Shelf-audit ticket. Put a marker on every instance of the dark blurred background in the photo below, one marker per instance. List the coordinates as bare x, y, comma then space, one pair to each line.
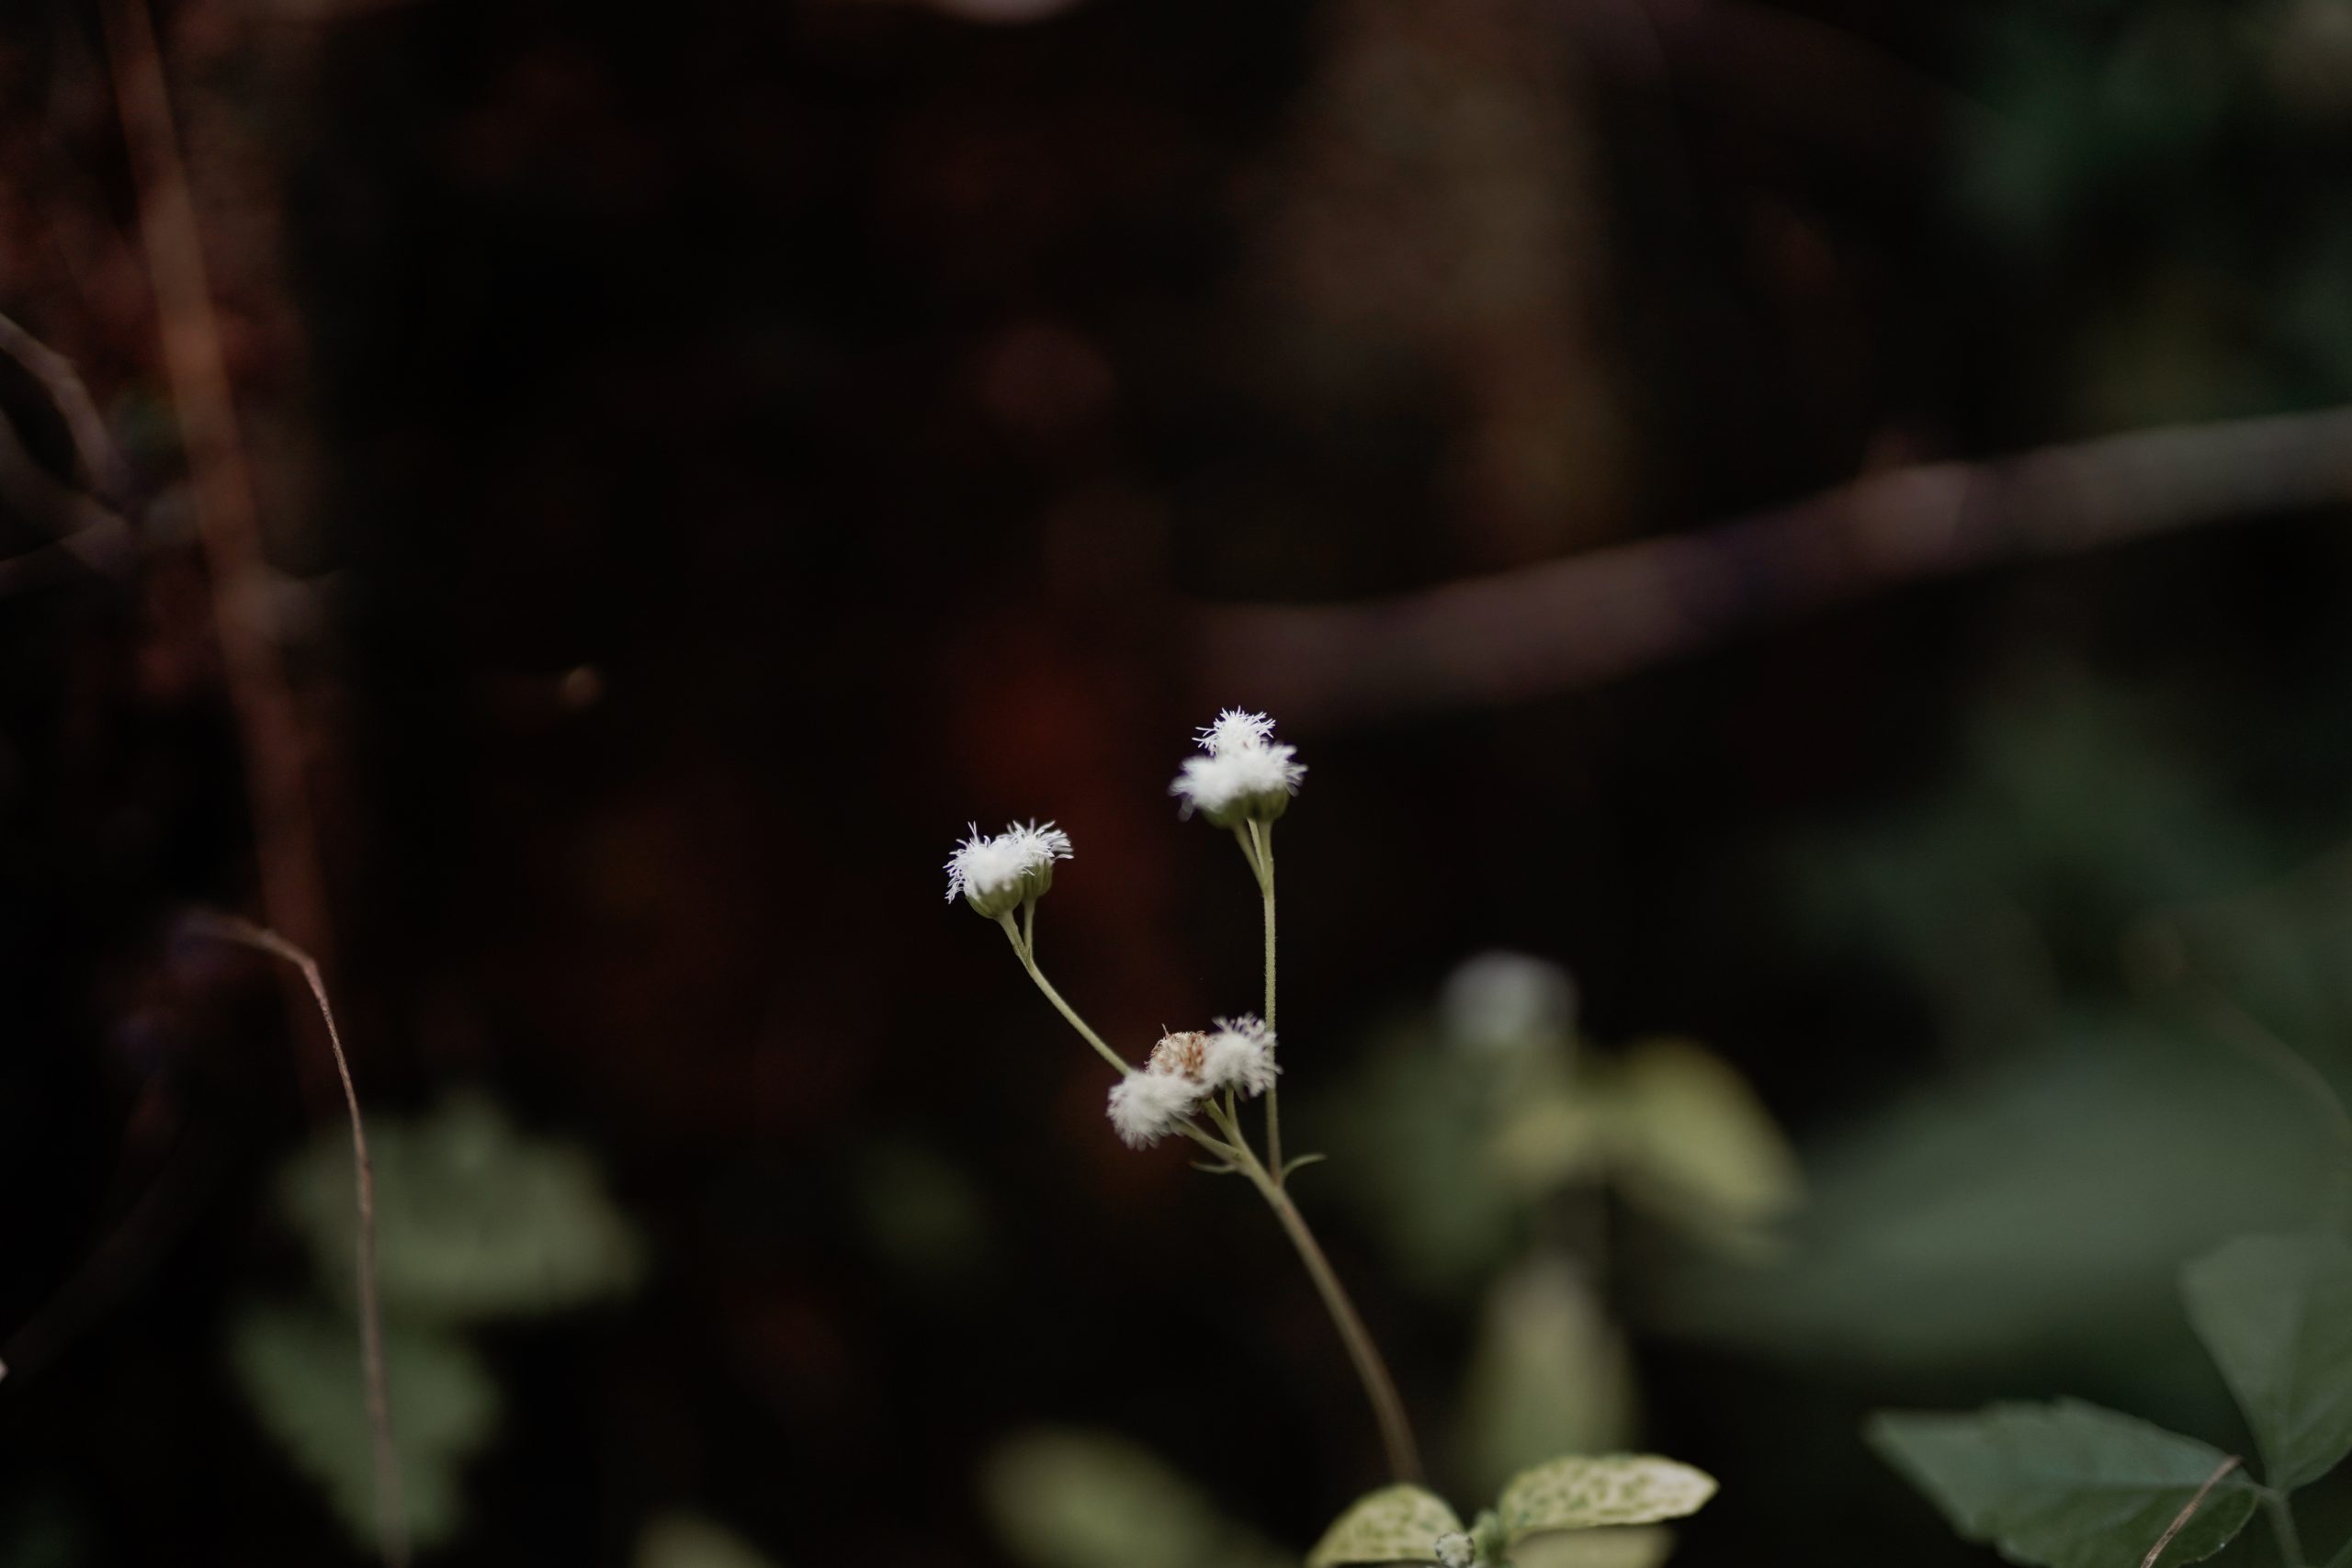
701, 456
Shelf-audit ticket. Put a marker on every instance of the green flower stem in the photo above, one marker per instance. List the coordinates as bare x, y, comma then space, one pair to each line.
1387, 1408
1395, 1432
1012, 934
1257, 840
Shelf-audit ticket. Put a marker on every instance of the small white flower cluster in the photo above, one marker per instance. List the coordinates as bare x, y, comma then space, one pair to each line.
1185, 1069
1244, 774
998, 873
1455, 1549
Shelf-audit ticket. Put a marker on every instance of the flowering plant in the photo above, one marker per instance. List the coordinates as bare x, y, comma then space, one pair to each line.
1197, 1084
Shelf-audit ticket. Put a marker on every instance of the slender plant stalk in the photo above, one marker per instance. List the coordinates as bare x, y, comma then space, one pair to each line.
392, 1510
1387, 1407
2282, 1525
2189, 1511
1264, 862
1029, 962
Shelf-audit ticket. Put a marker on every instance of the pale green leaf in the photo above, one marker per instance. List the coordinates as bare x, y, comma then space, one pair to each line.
1077, 1499
2066, 1485
1551, 1375
683, 1540
1694, 1144
299, 1368
1396, 1524
1635, 1546
2276, 1312
1588, 1491
474, 1219
1551, 1140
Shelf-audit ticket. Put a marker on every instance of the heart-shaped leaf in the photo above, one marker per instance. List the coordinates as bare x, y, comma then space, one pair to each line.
1396, 1524
2067, 1486
2276, 1312
1585, 1491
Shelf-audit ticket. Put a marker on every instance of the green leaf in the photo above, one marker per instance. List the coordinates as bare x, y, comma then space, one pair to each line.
473, 1219
1551, 1375
1695, 1144
1638, 1546
1078, 1499
299, 1368
683, 1540
1583, 1492
2066, 1485
2276, 1312
1396, 1523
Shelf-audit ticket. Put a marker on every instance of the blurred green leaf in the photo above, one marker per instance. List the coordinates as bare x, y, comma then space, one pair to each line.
2066, 1485
1695, 1145
300, 1369
2076, 1174
684, 1540
1550, 1375
2005, 896
919, 1211
1396, 1524
1408, 1137
1580, 1492
2276, 1312
1073, 1500
1629, 1546
474, 1219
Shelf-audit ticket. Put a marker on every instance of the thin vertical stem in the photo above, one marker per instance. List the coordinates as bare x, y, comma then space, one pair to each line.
390, 1508
1387, 1408
1012, 934
1257, 841
2282, 1525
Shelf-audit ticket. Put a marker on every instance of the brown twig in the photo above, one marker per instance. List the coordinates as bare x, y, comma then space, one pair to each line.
391, 1511
2180, 1520
293, 894
1602, 615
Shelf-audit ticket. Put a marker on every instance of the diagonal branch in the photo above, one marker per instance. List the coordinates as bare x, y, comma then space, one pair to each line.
1591, 618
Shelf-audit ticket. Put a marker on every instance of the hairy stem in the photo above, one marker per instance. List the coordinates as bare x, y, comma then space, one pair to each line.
390, 1508
1028, 961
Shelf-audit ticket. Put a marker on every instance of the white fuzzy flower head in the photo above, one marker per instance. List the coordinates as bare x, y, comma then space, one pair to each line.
1454, 1550
1236, 731
1244, 774
1239, 1055
997, 873
1145, 1107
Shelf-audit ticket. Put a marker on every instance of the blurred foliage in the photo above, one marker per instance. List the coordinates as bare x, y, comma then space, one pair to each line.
40, 1534
919, 1209
474, 1220
1457, 1132
2113, 164
683, 1540
299, 1366
2094, 1133
1551, 1374
1076, 1499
